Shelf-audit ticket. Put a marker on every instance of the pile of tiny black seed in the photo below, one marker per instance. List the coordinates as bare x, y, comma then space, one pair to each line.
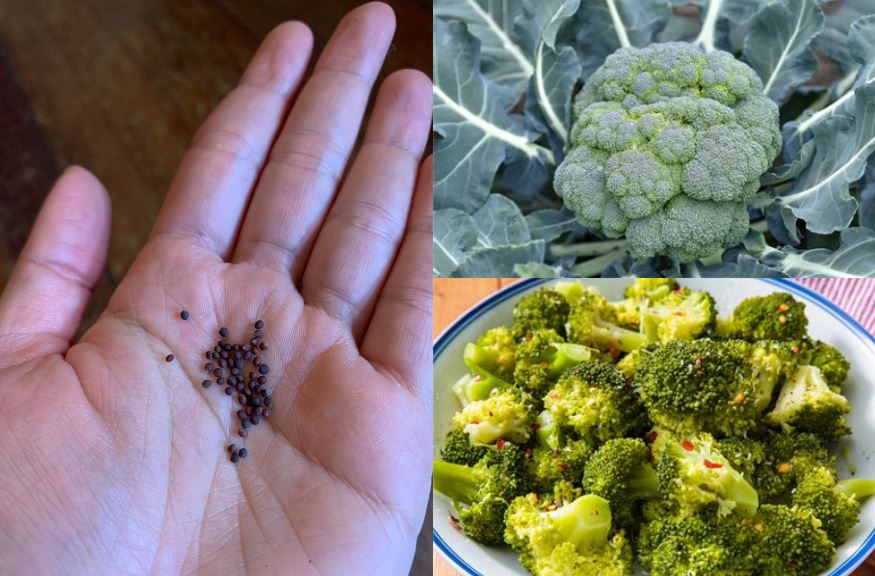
226, 362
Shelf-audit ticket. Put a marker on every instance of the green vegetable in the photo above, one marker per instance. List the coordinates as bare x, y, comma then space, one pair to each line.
787, 456
592, 322
837, 508
542, 356
492, 355
777, 316
791, 539
683, 314
506, 414
542, 309
620, 473
807, 404
457, 449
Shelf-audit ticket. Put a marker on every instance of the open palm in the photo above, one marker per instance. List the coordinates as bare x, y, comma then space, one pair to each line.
113, 461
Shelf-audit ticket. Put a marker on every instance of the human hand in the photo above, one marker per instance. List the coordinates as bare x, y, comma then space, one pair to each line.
113, 461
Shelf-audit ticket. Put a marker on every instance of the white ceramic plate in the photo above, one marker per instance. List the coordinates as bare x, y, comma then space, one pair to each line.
826, 322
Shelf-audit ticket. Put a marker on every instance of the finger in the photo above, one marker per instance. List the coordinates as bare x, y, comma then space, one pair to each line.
42, 306
398, 338
209, 193
358, 241
308, 159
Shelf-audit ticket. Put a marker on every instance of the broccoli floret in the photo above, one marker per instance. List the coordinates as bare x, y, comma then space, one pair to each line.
542, 309
457, 449
492, 355
507, 414
473, 387
743, 454
542, 356
597, 402
791, 541
619, 472
640, 294
832, 363
807, 404
593, 323
711, 385
836, 505
698, 543
777, 316
564, 463
683, 314
628, 364
787, 457
556, 536
482, 493
668, 144
694, 475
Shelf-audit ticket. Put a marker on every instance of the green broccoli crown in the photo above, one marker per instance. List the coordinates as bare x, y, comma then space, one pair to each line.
693, 474
791, 541
506, 415
556, 536
542, 309
597, 402
832, 363
787, 457
482, 493
620, 472
664, 132
838, 511
492, 355
683, 314
777, 316
592, 322
743, 454
542, 356
565, 463
700, 385
457, 449
806, 403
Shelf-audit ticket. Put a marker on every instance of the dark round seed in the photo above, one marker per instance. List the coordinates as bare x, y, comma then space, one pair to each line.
209, 354
254, 341
229, 390
232, 448
236, 355
262, 380
243, 433
258, 334
254, 420
266, 392
235, 457
235, 371
206, 383
264, 369
184, 314
256, 361
246, 423
262, 346
241, 398
241, 414
244, 347
243, 452
210, 367
220, 380
214, 355
268, 402
223, 332
239, 386
265, 412
235, 347
217, 372
255, 402
247, 355
239, 362
169, 357
259, 324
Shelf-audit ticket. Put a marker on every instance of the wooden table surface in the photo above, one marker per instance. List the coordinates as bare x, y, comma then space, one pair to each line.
454, 296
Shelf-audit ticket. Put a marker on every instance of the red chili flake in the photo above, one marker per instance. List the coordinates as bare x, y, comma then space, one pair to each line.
475, 421
543, 365
680, 313
687, 445
699, 373
709, 464
563, 466
783, 308
528, 452
500, 443
536, 426
614, 351
651, 436
795, 349
454, 523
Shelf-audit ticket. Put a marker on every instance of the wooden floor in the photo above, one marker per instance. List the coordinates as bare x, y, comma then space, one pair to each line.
121, 87
451, 298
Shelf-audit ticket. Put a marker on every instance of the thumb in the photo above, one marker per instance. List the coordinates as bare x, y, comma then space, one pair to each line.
42, 306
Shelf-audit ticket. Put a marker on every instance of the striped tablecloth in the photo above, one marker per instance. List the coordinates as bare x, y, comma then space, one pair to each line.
856, 296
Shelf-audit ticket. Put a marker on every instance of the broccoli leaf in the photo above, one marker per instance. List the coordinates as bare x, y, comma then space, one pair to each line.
499, 262
475, 131
745, 266
714, 10
503, 59
777, 46
537, 270
551, 224
820, 195
834, 40
500, 223
867, 197
854, 258
455, 232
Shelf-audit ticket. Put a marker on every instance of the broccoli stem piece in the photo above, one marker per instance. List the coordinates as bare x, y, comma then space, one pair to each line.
858, 487
456, 481
587, 249
593, 268
584, 522
548, 432
470, 388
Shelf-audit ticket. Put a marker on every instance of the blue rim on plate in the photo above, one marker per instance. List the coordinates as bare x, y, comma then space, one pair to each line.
462, 322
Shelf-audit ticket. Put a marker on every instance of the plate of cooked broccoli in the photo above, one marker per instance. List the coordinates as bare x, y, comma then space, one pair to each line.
620, 427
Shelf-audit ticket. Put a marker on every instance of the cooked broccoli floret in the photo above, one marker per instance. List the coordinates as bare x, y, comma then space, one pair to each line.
698, 543
787, 457
558, 536
620, 472
777, 316
542, 356
564, 463
743, 454
694, 475
668, 144
481, 493
640, 294
592, 322
711, 385
457, 449
791, 541
832, 363
683, 314
836, 505
542, 309
807, 404
597, 402
507, 414
492, 355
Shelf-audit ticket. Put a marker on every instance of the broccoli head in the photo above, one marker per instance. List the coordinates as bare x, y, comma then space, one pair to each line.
683, 314
787, 457
542, 356
541, 309
791, 541
492, 355
832, 363
457, 449
557, 535
667, 146
620, 472
806, 403
506, 415
836, 505
597, 402
777, 316
565, 463
482, 493
592, 322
